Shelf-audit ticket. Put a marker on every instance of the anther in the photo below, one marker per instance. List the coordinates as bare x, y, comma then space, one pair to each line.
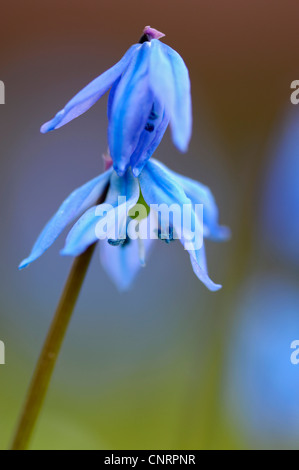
149, 127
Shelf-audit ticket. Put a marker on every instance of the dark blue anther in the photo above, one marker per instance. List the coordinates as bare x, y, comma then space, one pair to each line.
149, 127
116, 242
121, 242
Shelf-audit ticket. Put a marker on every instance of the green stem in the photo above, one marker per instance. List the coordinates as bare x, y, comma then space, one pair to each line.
49, 355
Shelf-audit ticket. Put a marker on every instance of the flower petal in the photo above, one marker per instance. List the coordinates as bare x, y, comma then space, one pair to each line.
160, 186
170, 83
181, 122
200, 194
82, 198
111, 97
149, 141
122, 263
87, 97
86, 232
199, 266
131, 108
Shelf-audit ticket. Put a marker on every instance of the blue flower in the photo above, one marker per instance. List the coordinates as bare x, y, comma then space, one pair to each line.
150, 88
261, 386
121, 254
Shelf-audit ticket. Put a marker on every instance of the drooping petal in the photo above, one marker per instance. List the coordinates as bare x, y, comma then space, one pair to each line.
170, 83
150, 139
77, 203
199, 265
161, 189
123, 194
87, 97
182, 120
122, 263
160, 186
200, 194
131, 108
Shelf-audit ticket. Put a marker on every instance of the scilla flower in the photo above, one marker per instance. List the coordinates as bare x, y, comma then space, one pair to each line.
150, 88
121, 255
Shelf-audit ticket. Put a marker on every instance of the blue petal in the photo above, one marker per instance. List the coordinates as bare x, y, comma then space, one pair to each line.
160, 186
131, 108
200, 194
147, 145
199, 265
87, 97
111, 97
72, 207
122, 263
169, 80
84, 233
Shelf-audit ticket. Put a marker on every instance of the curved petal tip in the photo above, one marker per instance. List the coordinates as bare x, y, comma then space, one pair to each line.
221, 234
53, 124
153, 33
24, 263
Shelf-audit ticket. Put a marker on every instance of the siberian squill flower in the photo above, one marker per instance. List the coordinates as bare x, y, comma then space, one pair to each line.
150, 88
121, 255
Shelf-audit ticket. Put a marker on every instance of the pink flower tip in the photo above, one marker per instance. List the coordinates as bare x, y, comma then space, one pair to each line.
153, 33
107, 161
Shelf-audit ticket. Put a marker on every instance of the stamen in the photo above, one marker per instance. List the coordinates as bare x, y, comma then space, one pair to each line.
149, 127
119, 242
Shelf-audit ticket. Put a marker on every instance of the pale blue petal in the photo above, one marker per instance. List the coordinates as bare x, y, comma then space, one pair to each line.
181, 122
87, 97
131, 108
122, 263
199, 265
169, 80
161, 78
84, 233
200, 194
77, 203
160, 186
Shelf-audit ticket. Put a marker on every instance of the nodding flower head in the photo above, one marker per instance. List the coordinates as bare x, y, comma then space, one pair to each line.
150, 88
110, 201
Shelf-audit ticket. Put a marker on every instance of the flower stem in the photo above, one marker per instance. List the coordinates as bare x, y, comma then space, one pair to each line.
49, 354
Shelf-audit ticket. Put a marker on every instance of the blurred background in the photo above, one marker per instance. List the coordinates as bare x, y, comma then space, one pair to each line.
168, 365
